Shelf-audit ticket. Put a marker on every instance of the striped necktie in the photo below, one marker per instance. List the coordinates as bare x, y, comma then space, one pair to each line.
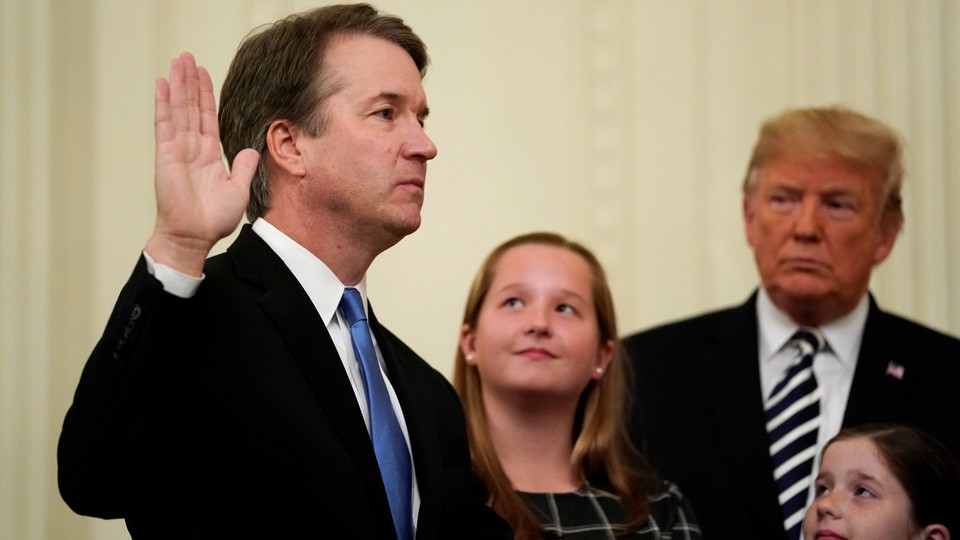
388, 442
793, 419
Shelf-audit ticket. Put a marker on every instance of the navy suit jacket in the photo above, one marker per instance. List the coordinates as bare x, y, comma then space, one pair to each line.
699, 415
229, 415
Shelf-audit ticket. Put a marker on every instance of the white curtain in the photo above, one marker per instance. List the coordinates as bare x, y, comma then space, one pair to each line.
624, 124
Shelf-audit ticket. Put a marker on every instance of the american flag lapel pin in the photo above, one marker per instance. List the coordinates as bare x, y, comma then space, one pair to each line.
895, 370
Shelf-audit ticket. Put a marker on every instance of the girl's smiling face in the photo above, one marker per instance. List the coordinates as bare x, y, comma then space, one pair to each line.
537, 335
858, 497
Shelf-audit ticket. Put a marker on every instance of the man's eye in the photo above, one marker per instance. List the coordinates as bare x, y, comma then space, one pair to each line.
781, 201
386, 114
840, 203
841, 208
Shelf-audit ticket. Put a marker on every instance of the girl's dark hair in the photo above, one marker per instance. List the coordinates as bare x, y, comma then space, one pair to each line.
928, 472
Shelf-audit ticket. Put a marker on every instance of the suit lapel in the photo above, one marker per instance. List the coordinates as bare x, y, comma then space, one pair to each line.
734, 376
410, 392
296, 319
733, 372
876, 395
409, 381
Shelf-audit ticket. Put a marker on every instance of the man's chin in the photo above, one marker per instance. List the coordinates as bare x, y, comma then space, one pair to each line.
800, 291
403, 227
805, 294
804, 284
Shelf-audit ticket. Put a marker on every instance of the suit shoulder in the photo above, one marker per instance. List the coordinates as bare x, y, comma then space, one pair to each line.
690, 327
890, 323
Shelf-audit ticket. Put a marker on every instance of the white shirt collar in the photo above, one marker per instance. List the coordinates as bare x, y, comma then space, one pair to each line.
320, 283
843, 335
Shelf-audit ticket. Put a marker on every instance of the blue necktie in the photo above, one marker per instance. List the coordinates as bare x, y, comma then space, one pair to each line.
388, 441
793, 420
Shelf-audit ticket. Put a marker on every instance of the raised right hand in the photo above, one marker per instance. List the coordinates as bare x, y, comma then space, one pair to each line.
198, 200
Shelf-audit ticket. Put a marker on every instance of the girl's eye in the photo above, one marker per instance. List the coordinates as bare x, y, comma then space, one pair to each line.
861, 491
513, 302
566, 308
820, 489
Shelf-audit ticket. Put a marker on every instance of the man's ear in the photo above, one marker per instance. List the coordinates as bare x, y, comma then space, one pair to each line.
282, 139
889, 231
749, 214
935, 532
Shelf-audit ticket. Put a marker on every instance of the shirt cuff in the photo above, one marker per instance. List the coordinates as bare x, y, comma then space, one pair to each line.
174, 282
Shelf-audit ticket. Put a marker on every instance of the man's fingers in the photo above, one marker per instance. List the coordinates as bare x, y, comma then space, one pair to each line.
162, 123
244, 166
184, 93
178, 111
192, 86
208, 105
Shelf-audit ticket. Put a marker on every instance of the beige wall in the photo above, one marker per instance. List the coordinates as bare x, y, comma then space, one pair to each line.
623, 124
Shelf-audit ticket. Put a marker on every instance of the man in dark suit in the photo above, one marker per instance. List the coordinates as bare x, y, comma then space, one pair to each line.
821, 205
225, 398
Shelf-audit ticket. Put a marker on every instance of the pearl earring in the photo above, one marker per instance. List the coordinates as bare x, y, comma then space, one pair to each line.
469, 357
599, 371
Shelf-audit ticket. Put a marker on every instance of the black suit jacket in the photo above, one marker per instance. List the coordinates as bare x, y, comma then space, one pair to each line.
699, 409
229, 415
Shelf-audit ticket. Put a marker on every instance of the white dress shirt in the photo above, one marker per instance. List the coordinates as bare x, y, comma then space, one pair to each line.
833, 367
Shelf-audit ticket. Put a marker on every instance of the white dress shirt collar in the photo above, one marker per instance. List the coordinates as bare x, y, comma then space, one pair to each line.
320, 283
843, 335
